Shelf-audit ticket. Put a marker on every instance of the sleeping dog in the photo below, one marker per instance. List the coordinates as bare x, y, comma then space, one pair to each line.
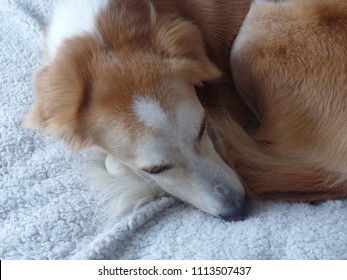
183, 107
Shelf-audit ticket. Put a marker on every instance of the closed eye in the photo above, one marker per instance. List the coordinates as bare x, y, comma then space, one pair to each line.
202, 129
157, 169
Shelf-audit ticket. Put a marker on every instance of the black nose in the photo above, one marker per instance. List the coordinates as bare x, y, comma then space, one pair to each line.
238, 211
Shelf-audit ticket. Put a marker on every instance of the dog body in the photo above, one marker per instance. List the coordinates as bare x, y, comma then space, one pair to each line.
290, 66
141, 79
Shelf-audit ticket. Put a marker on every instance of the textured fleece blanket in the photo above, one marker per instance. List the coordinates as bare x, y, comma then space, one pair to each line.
49, 211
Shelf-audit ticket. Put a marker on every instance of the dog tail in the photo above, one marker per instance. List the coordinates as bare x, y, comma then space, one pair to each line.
272, 174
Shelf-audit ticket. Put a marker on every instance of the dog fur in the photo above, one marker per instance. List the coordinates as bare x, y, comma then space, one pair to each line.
124, 71
290, 67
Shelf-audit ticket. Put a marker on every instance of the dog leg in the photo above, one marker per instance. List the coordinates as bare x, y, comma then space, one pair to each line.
298, 152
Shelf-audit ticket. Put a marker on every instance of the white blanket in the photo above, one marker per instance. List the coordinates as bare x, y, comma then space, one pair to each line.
49, 211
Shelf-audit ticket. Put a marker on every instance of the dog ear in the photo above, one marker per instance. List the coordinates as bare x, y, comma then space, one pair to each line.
119, 25
195, 72
181, 42
59, 104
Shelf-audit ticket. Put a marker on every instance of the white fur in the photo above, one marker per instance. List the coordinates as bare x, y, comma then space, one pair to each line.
114, 167
195, 177
121, 193
72, 18
150, 113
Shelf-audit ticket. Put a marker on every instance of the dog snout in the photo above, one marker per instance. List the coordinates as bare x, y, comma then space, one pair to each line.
237, 209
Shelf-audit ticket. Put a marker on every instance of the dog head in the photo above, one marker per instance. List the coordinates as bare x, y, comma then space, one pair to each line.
129, 87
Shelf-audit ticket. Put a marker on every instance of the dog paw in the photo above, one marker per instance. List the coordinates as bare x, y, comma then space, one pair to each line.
121, 189
114, 167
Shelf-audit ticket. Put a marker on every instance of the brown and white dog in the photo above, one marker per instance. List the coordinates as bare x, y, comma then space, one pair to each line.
145, 79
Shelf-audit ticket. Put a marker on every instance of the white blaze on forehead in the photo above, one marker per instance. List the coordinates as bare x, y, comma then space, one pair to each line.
72, 18
150, 113
153, 151
181, 124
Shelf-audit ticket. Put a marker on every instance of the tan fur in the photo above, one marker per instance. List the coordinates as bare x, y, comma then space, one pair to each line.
72, 98
291, 72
